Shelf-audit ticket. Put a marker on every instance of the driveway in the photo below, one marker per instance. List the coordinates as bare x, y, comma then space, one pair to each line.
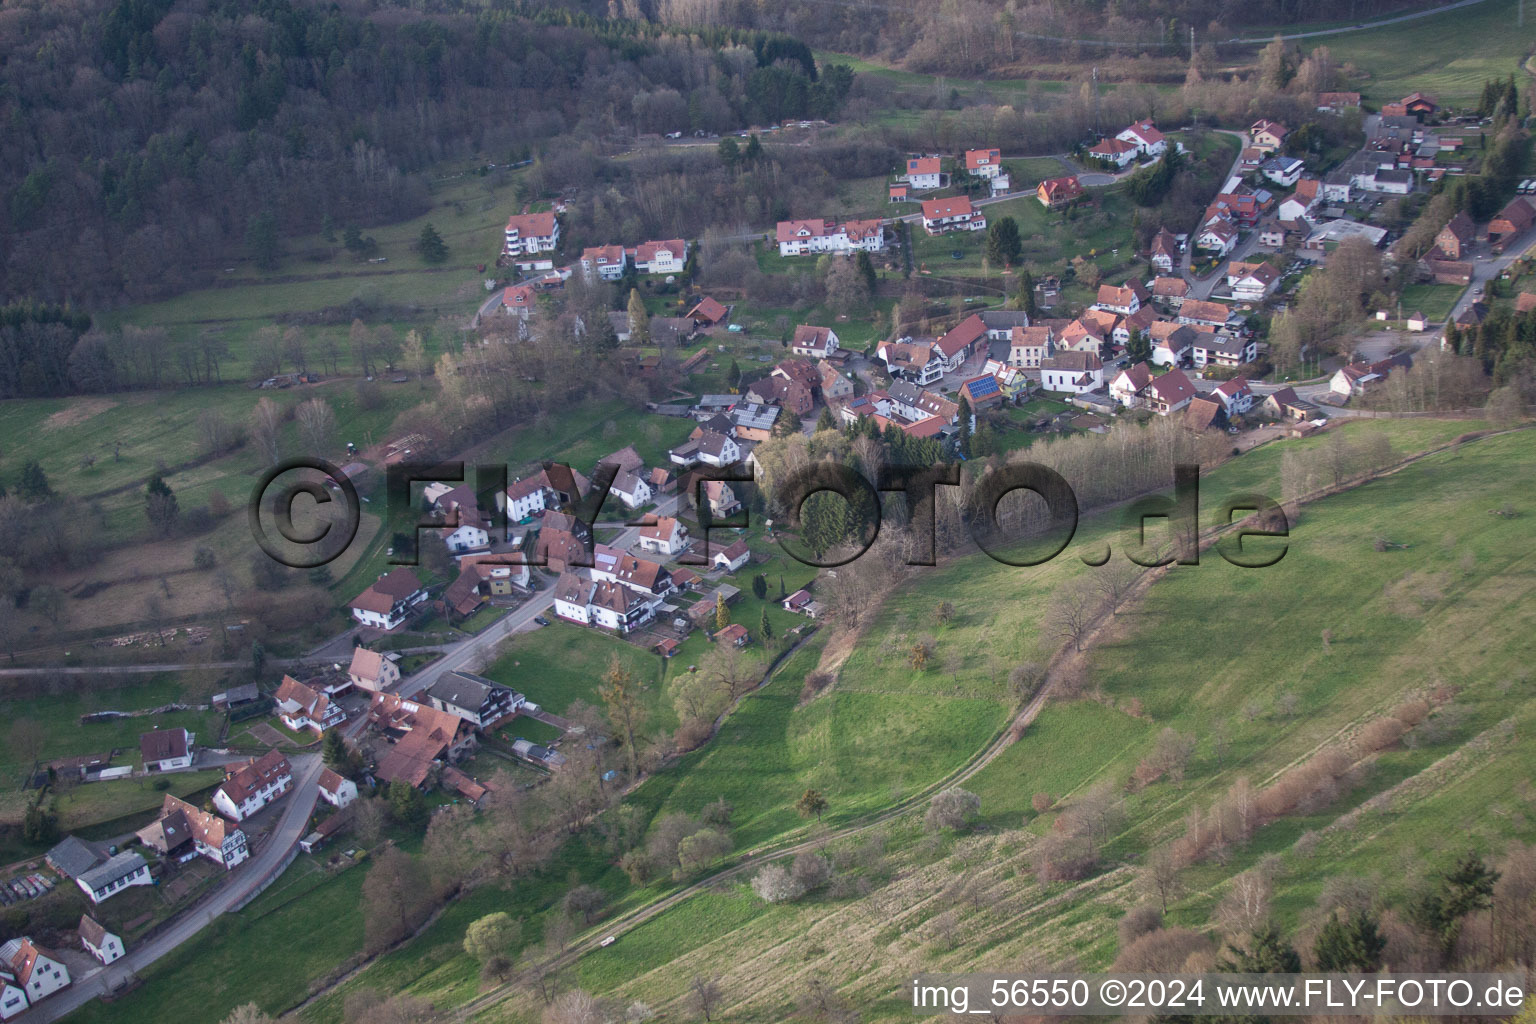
242, 881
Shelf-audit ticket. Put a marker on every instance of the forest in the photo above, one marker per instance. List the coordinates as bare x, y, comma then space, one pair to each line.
146, 141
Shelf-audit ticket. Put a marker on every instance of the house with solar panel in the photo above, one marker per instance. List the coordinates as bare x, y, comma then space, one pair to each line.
981, 392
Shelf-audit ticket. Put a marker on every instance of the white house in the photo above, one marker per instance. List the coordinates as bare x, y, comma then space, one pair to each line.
1115, 151
1124, 299
37, 974
663, 257
337, 790
941, 216
923, 172
1129, 384
984, 163
1175, 347
248, 789
799, 237
1235, 395
213, 836
389, 600
1284, 171
816, 342
604, 262
166, 750
631, 488
1028, 347
1145, 137
1390, 180
1252, 282
1072, 372
371, 670
303, 708
1217, 237
529, 233
1211, 349
731, 557
666, 537
100, 943
603, 603
13, 1000
117, 874
710, 448
1169, 393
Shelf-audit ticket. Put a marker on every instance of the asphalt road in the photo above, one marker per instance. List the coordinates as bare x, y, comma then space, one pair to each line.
241, 881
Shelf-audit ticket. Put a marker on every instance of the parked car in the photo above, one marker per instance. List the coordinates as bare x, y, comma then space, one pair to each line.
541, 620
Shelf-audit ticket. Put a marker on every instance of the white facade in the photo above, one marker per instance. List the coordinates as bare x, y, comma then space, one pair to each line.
661, 257
342, 794
1146, 138
631, 489
531, 233
119, 874
523, 506
1217, 240
1073, 381
12, 999
238, 809
467, 538
47, 975
111, 947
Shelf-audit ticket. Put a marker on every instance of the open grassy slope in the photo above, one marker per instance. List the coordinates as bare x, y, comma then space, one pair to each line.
1208, 641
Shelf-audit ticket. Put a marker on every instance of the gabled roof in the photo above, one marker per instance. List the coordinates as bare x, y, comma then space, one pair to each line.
1202, 413
1199, 309
164, 744
1137, 377
259, 773
923, 165
366, 664
1111, 147
464, 690
625, 458
1170, 287
645, 252
1060, 188
1171, 388
1233, 388
807, 336
331, 782
1146, 131
962, 337
665, 528
539, 225
1082, 361
207, 828
977, 158
385, 592
124, 865
92, 932
1121, 295
957, 206
708, 309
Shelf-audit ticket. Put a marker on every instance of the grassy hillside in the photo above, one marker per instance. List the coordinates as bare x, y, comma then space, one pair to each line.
1448, 56
1211, 646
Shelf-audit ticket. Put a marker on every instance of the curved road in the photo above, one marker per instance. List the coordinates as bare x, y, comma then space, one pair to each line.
244, 879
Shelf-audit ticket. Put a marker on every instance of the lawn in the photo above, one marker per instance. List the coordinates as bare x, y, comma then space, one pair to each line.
1435, 301
115, 804
468, 212
1448, 56
1382, 652
67, 736
556, 665
1051, 238
267, 954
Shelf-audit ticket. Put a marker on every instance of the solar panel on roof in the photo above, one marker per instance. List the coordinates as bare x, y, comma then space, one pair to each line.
983, 386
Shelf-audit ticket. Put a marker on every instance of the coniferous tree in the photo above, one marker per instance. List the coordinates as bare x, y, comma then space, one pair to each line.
430, 245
